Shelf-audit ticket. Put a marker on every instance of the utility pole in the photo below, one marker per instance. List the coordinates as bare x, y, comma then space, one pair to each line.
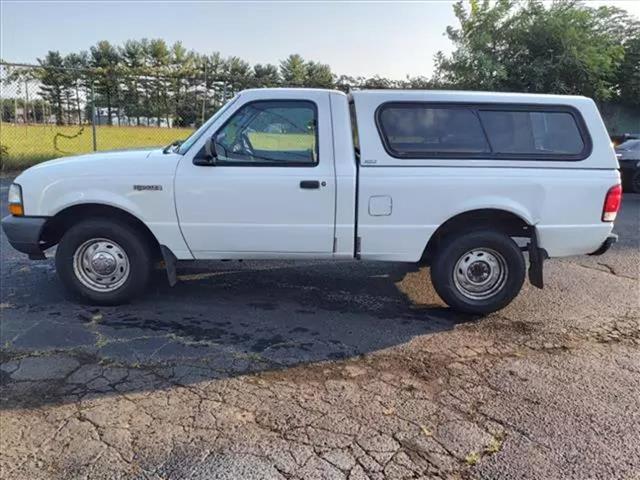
93, 119
26, 103
204, 97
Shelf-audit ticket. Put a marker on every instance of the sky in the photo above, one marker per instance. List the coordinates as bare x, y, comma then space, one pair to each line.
391, 39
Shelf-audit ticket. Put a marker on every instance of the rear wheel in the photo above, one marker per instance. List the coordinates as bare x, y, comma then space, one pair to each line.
478, 272
104, 261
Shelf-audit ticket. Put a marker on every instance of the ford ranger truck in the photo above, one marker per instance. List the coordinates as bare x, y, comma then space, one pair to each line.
473, 184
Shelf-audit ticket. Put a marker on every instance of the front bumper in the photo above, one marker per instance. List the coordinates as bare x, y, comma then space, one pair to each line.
606, 245
23, 233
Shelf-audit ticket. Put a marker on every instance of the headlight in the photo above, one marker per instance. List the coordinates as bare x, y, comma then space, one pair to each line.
15, 200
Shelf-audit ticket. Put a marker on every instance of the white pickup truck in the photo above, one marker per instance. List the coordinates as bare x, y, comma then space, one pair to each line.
465, 182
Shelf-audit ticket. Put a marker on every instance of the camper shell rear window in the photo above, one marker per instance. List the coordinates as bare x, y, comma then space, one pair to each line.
423, 130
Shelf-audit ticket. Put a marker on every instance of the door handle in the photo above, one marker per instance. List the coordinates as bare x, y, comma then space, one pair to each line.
309, 184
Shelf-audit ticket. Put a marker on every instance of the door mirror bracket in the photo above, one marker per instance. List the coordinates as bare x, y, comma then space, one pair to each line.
210, 149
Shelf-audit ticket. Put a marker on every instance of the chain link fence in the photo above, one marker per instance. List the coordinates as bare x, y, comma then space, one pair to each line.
53, 112
49, 112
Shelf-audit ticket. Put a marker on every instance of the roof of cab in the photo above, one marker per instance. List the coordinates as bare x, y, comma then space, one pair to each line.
289, 89
441, 95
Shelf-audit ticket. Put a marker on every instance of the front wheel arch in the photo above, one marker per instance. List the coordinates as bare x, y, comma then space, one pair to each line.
61, 222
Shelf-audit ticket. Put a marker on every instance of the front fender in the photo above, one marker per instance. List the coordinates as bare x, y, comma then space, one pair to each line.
55, 202
154, 207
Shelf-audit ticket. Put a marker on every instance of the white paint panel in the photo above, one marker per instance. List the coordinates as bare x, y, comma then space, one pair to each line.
346, 171
108, 178
424, 198
260, 210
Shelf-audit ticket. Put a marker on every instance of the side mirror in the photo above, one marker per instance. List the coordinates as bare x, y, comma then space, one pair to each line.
208, 157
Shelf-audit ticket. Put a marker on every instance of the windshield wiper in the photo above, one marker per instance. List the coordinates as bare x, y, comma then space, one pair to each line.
170, 147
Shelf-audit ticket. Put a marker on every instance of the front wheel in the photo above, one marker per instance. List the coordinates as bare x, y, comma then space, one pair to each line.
478, 272
104, 261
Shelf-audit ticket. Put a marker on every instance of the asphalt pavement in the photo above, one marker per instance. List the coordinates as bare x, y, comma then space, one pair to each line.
348, 370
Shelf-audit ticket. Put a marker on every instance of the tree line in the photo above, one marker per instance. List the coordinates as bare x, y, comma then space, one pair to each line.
505, 45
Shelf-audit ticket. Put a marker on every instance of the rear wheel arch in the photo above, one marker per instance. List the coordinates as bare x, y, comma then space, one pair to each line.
488, 219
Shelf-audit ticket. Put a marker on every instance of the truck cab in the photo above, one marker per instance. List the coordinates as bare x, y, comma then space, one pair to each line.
270, 182
465, 182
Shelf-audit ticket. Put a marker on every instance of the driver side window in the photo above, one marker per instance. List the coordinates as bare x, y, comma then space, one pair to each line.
270, 133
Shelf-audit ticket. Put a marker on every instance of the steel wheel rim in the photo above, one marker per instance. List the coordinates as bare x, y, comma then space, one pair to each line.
101, 265
480, 273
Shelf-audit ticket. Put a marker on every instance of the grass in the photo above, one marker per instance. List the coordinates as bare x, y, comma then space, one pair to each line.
495, 445
27, 145
279, 141
472, 458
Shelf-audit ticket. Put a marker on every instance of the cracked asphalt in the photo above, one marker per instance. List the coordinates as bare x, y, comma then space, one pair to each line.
317, 370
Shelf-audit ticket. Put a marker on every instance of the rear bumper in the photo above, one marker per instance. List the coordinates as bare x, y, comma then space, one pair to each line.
571, 240
23, 233
606, 245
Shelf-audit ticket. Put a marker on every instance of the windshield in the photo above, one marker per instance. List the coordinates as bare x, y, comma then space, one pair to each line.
193, 138
630, 145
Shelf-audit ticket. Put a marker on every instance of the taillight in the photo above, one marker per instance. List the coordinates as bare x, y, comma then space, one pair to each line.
612, 203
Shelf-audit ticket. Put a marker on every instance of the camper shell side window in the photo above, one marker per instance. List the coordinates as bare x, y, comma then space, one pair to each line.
422, 130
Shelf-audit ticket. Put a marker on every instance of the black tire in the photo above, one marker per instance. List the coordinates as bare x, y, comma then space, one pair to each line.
634, 182
125, 236
453, 250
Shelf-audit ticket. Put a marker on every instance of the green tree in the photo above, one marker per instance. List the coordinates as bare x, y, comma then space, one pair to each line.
210, 91
629, 71
293, 71
319, 75
266, 75
38, 109
182, 71
54, 82
347, 83
377, 82
238, 74
565, 48
418, 83
105, 60
132, 55
76, 71
476, 60
158, 59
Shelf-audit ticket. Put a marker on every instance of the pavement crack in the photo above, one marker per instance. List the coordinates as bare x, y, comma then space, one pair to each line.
608, 269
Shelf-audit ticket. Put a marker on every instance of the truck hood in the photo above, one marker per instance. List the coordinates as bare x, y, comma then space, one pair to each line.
105, 164
90, 159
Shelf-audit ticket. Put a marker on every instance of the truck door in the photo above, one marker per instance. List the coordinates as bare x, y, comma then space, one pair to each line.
271, 191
